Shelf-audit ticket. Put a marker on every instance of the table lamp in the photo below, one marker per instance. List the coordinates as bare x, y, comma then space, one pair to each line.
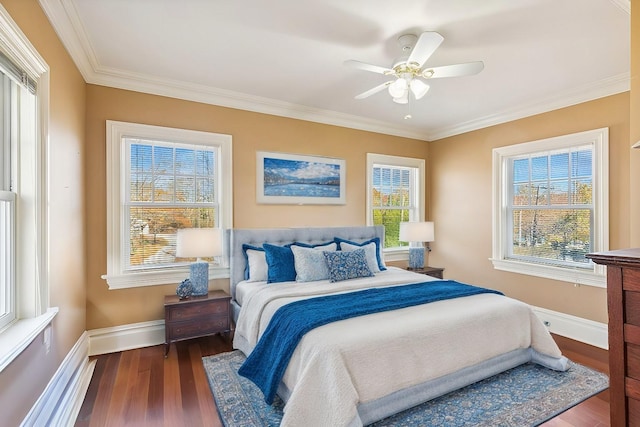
199, 243
418, 232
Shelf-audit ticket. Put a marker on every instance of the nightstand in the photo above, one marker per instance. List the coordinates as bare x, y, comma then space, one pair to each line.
436, 272
195, 317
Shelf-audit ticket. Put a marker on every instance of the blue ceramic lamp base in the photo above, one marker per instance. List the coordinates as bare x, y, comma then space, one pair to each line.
199, 276
416, 258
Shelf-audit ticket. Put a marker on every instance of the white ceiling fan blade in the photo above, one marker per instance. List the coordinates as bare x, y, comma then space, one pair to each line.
367, 67
374, 90
427, 43
455, 70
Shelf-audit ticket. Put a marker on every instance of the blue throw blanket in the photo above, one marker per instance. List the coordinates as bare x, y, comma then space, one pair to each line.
268, 361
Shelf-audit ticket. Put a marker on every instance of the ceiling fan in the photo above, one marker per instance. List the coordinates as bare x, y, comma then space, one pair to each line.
408, 69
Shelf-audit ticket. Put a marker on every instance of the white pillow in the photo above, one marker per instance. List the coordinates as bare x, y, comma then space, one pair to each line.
257, 266
370, 252
310, 263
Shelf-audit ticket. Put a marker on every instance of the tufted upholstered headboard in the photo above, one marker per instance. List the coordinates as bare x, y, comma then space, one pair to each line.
281, 236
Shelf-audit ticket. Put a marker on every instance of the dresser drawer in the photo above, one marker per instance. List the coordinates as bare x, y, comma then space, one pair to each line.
180, 330
196, 310
633, 361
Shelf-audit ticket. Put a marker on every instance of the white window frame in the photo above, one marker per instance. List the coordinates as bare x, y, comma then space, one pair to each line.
118, 276
33, 313
594, 276
373, 160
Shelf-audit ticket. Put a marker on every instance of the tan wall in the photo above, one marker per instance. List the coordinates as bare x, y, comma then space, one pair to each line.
251, 132
22, 382
461, 185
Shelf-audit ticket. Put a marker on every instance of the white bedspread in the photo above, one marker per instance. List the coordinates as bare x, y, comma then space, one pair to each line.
339, 365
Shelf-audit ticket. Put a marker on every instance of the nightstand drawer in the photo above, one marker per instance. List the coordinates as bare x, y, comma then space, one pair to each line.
209, 326
196, 317
195, 310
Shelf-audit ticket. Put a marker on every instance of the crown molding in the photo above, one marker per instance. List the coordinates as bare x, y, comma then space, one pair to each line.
585, 93
65, 20
225, 98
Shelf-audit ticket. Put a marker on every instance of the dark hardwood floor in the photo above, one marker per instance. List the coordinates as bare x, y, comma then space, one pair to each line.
142, 388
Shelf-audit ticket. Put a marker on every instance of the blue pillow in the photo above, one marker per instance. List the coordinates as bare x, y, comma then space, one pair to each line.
347, 265
280, 263
375, 240
246, 247
317, 245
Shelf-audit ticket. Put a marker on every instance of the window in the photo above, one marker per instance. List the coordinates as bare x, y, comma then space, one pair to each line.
162, 179
24, 289
551, 206
395, 194
18, 129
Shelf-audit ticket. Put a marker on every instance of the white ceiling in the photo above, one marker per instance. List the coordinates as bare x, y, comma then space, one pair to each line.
285, 57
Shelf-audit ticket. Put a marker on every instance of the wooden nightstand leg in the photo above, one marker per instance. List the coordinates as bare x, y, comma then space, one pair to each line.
166, 349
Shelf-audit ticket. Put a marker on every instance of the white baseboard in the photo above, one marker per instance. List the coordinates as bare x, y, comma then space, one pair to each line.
576, 328
60, 402
125, 337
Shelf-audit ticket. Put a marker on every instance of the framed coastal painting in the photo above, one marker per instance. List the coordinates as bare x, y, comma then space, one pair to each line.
299, 180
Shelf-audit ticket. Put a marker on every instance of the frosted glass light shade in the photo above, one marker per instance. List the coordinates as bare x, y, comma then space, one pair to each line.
419, 88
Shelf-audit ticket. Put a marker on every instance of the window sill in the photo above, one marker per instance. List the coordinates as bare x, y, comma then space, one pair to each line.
17, 336
396, 254
595, 277
161, 277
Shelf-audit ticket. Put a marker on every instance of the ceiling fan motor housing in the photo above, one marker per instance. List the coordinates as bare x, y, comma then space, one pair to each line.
406, 43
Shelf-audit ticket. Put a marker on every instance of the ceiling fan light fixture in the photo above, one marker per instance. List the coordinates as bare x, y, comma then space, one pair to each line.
418, 88
402, 99
398, 88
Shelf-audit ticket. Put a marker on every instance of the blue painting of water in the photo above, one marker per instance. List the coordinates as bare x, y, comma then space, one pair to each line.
302, 190
295, 178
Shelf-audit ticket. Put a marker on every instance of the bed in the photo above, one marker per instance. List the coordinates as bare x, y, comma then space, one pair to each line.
362, 369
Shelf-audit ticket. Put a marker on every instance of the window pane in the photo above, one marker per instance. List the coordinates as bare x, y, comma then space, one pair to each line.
205, 163
163, 189
152, 231
521, 194
185, 190
141, 187
539, 168
554, 235
141, 158
581, 163
581, 192
163, 160
521, 170
391, 219
559, 192
559, 166
6, 255
185, 162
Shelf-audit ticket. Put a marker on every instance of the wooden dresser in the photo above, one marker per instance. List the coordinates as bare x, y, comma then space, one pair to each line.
623, 303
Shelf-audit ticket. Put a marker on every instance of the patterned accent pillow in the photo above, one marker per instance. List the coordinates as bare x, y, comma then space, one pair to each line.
379, 258
347, 265
310, 263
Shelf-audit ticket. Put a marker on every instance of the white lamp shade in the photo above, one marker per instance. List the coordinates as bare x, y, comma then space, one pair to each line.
198, 242
417, 232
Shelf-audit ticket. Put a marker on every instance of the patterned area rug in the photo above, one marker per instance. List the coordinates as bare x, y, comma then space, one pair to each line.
524, 396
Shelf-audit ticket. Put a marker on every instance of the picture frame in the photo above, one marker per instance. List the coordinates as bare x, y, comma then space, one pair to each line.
296, 179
